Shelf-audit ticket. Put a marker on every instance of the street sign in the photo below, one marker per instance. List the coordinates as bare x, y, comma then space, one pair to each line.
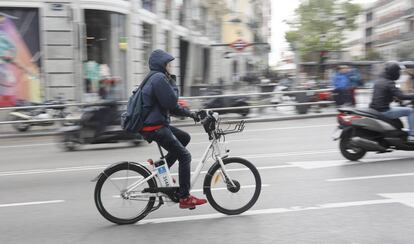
239, 45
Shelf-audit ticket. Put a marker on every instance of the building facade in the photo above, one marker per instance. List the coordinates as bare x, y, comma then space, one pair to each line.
389, 26
79, 47
247, 22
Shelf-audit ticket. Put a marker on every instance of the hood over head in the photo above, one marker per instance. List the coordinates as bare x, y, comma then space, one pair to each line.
159, 59
392, 71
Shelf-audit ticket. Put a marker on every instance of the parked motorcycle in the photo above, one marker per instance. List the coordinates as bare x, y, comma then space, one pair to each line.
367, 130
37, 114
98, 124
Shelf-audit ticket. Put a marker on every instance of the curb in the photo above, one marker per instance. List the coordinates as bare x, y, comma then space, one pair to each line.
270, 119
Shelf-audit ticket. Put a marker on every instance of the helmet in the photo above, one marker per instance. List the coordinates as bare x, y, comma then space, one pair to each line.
392, 70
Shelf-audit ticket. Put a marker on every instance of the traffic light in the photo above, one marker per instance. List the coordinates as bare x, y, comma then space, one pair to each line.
323, 55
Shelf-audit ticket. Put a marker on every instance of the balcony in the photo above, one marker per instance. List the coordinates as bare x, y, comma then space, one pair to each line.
380, 41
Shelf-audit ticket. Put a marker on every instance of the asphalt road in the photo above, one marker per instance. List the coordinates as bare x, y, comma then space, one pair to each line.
310, 193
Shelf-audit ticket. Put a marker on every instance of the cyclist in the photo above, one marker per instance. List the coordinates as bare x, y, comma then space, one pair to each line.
160, 95
385, 91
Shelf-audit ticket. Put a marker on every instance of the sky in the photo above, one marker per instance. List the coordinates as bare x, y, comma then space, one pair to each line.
282, 10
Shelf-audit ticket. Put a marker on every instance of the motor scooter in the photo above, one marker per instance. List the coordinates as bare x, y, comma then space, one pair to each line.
367, 130
98, 124
57, 112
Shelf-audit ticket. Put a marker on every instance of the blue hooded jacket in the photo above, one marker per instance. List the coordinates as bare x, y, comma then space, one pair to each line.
160, 93
340, 81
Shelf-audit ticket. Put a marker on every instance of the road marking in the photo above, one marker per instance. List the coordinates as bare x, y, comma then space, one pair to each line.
205, 171
30, 203
278, 128
214, 189
371, 177
287, 154
402, 198
56, 170
95, 167
292, 128
197, 134
225, 188
406, 198
29, 145
229, 141
303, 165
336, 163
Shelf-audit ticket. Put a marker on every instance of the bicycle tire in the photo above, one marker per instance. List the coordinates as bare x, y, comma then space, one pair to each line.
211, 173
110, 171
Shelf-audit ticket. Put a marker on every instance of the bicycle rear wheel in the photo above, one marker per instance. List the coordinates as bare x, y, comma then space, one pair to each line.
233, 199
113, 204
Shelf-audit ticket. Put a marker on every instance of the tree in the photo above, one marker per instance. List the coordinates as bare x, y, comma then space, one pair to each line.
319, 26
373, 55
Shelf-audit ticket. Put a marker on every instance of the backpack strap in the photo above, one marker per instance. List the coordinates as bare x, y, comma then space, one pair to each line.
147, 78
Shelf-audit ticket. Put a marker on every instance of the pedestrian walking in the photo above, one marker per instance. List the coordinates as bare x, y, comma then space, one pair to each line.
341, 84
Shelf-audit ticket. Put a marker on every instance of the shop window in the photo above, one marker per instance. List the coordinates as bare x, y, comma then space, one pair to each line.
147, 41
19, 56
106, 44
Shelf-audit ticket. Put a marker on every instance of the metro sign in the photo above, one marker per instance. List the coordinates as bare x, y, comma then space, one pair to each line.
239, 45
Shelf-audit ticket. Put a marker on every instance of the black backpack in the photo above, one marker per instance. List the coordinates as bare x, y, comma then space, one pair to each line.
132, 120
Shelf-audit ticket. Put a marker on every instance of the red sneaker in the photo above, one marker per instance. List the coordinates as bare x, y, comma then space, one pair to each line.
191, 201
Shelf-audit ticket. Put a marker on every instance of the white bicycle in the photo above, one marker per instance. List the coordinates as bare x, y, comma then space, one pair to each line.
127, 192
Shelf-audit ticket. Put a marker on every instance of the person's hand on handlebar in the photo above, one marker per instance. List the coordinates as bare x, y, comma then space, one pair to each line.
195, 116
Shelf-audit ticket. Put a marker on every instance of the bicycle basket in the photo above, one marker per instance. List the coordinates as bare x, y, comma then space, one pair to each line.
235, 127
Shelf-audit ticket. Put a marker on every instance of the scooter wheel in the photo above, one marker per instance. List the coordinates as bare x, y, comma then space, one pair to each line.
69, 142
350, 152
21, 127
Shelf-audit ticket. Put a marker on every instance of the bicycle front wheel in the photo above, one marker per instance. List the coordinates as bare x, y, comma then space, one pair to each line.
236, 198
110, 197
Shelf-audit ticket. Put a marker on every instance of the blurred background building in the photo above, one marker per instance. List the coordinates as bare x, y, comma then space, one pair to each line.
80, 46
385, 32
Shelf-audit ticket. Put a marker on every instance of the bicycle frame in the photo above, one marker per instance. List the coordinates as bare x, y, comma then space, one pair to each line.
218, 155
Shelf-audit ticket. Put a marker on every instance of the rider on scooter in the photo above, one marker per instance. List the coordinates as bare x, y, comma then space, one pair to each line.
160, 94
385, 91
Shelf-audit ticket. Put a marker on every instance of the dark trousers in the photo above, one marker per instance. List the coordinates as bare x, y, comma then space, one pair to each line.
174, 141
352, 95
341, 96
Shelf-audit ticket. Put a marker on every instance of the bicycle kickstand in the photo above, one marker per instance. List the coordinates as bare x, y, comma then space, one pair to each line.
160, 203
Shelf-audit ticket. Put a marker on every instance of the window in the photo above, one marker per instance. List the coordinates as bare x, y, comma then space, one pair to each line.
204, 20
147, 40
168, 41
148, 5
182, 7
106, 54
369, 16
19, 38
168, 9
368, 32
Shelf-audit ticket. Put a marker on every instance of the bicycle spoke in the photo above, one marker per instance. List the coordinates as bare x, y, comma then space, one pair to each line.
118, 208
235, 192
